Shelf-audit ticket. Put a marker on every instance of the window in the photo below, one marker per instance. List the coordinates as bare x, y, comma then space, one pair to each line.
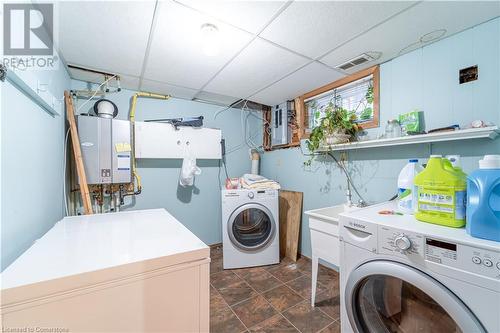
357, 93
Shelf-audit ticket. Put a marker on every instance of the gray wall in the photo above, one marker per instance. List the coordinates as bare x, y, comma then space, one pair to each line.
425, 79
31, 166
198, 208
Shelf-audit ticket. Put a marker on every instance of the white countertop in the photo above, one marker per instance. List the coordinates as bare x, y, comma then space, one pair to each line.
410, 223
80, 244
330, 214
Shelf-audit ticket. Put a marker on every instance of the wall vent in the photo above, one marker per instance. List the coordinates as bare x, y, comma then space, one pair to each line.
355, 61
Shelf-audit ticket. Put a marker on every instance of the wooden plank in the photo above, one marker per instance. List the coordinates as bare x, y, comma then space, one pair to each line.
75, 140
290, 221
301, 118
266, 116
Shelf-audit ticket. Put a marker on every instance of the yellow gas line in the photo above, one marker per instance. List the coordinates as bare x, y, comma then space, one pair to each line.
132, 124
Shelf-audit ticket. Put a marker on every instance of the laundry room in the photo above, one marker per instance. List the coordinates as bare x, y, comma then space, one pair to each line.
250, 166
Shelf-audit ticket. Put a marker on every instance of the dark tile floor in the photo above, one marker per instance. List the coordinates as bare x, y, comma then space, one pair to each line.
272, 298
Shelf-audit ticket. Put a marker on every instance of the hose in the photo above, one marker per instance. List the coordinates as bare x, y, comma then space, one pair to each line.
341, 166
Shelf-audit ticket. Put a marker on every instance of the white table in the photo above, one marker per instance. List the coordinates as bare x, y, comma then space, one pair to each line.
324, 229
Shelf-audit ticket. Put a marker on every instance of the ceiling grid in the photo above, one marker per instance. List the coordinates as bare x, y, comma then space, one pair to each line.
270, 50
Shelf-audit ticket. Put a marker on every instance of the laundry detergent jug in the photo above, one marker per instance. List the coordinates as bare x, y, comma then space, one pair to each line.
441, 193
407, 194
483, 199
455, 162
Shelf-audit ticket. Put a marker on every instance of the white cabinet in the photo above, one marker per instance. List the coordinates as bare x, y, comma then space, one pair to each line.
162, 140
325, 240
135, 271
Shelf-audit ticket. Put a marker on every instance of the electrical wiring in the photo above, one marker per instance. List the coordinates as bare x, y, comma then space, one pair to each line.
218, 175
248, 137
95, 92
226, 108
225, 169
64, 173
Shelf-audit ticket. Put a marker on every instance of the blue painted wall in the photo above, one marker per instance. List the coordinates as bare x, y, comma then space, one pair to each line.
32, 143
426, 79
198, 208
31, 166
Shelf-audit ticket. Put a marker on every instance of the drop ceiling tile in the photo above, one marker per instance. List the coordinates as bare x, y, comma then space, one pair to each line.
105, 34
402, 33
85, 76
259, 65
167, 89
216, 98
176, 54
302, 81
248, 15
313, 28
126, 81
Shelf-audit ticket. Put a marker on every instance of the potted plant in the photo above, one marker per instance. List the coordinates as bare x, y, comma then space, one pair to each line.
337, 126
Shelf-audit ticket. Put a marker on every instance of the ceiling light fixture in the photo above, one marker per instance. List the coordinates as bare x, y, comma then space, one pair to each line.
210, 39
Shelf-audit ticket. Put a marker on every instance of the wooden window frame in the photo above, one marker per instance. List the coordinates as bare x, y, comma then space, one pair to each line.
302, 115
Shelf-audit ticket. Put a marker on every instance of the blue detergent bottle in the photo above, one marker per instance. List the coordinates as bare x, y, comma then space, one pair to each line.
483, 199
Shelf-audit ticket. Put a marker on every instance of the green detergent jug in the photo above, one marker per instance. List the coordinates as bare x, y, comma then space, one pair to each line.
441, 193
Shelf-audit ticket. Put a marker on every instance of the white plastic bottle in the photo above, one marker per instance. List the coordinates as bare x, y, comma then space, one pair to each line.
407, 193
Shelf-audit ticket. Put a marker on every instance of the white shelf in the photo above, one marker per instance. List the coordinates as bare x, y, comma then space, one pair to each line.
490, 132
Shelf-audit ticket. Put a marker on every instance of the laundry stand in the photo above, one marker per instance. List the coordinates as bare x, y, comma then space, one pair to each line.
324, 229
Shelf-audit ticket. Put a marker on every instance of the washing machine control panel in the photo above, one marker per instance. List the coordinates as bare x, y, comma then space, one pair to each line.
463, 257
479, 261
427, 250
400, 243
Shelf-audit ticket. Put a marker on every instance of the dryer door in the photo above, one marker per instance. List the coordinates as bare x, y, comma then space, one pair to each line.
251, 227
386, 296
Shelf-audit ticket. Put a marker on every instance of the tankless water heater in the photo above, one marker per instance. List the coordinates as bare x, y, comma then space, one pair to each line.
106, 149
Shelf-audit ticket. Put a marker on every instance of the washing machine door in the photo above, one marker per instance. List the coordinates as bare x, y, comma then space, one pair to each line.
251, 227
386, 296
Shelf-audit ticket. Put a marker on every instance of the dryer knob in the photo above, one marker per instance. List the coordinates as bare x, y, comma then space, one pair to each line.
402, 242
250, 195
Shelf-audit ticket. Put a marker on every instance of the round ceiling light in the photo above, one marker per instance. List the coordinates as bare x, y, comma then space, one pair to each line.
432, 36
210, 39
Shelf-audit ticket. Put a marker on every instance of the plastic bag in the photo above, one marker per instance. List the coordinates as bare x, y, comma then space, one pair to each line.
188, 171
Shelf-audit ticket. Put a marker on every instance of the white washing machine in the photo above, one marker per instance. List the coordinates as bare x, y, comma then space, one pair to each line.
250, 228
401, 275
